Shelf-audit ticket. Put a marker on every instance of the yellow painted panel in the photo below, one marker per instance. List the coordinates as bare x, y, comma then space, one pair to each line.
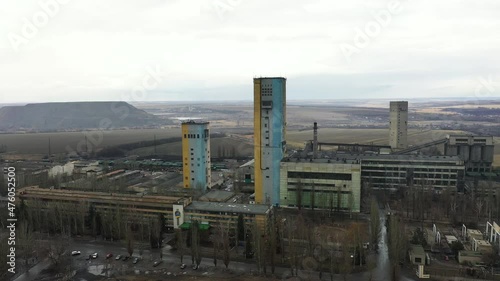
186, 162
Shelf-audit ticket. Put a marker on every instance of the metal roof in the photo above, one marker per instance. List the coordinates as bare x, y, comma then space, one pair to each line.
254, 209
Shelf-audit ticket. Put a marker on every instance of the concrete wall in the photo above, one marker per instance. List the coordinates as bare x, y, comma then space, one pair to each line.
196, 155
269, 137
325, 193
398, 124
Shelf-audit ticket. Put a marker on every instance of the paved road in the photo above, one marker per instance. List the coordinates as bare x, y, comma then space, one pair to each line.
34, 271
171, 261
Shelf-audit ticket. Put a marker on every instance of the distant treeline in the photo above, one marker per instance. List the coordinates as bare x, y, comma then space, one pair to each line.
119, 150
480, 111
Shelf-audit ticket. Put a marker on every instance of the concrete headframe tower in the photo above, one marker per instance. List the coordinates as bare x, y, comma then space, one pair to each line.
269, 137
398, 125
196, 155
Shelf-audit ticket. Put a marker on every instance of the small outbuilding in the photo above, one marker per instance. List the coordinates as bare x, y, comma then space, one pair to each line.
417, 255
472, 257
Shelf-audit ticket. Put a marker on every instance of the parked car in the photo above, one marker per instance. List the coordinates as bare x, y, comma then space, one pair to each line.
94, 255
75, 253
118, 257
156, 263
136, 260
195, 266
183, 266
125, 258
109, 255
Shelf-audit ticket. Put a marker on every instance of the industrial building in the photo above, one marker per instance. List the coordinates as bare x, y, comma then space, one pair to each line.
269, 137
394, 171
196, 155
320, 183
214, 213
417, 255
142, 208
476, 151
398, 125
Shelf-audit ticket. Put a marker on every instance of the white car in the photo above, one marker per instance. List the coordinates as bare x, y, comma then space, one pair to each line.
75, 253
94, 255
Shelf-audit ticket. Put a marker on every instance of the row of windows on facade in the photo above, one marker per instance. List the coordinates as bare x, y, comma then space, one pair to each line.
191, 136
415, 175
319, 192
319, 175
317, 184
195, 136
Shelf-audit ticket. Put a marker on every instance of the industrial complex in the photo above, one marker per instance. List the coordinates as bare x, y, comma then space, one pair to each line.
310, 178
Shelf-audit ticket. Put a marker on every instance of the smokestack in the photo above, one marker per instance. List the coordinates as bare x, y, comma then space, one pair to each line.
315, 140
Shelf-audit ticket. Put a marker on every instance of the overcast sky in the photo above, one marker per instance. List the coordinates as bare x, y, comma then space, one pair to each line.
211, 49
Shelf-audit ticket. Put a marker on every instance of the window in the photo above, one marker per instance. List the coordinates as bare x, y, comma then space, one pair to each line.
185, 136
318, 175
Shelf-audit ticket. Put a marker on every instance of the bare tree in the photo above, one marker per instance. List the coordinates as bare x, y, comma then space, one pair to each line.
130, 242
180, 243
299, 194
195, 242
57, 249
374, 223
397, 244
271, 234
225, 245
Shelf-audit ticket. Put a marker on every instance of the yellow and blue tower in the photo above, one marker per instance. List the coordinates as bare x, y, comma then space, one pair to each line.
196, 155
269, 137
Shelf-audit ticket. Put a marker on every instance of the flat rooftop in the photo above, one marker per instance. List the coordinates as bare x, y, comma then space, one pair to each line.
35, 192
253, 209
215, 195
483, 243
193, 122
417, 249
470, 254
355, 158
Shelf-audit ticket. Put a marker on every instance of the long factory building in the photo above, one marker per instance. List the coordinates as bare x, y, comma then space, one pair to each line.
145, 207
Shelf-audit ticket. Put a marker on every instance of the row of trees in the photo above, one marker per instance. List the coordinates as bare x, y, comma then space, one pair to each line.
425, 203
112, 222
306, 194
294, 241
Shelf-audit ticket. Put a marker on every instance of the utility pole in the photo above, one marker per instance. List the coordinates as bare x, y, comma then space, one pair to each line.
154, 143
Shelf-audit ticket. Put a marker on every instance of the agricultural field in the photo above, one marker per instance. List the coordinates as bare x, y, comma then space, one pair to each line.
219, 147
364, 136
36, 143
